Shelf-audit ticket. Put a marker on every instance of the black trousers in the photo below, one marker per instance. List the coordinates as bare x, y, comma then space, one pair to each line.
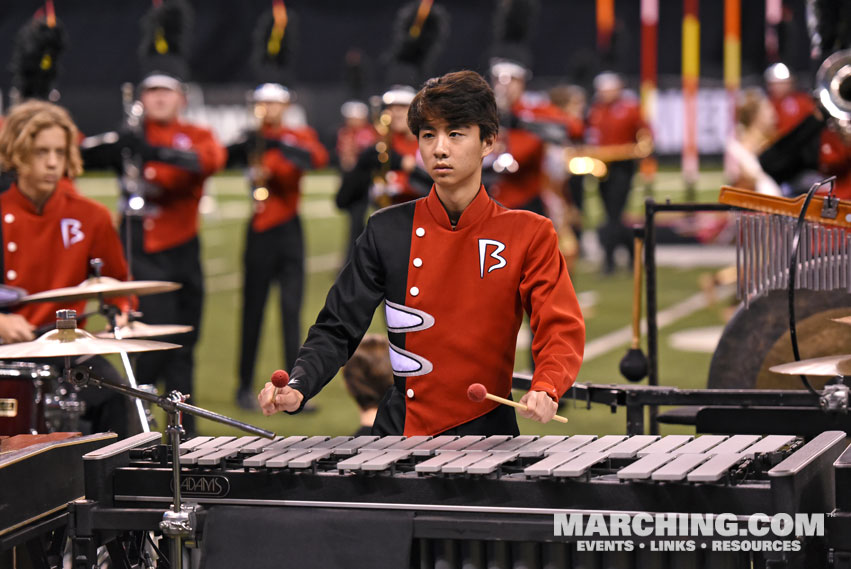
275, 255
182, 264
614, 191
357, 222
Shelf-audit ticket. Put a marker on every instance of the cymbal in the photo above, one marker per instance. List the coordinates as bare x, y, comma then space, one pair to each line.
829, 366
138, 329
101, 286
77, 342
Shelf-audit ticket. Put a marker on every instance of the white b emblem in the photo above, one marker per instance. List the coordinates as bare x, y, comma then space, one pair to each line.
71, 231
495, 254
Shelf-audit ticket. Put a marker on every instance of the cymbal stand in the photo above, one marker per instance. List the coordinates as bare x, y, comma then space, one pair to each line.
179, 522
111, 312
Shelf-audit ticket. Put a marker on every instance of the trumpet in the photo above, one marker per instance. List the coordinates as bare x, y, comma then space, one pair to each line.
582, 160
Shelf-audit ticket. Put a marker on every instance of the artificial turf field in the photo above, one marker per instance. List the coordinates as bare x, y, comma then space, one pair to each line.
222, 236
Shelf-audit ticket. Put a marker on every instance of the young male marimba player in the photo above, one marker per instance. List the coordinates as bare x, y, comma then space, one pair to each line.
456, 271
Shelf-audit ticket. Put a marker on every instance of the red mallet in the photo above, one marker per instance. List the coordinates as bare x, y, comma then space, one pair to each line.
279, 379
478, 393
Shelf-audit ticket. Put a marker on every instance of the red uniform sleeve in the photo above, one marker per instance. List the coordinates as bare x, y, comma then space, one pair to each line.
211, 156
318, 153
556, 319
526, 148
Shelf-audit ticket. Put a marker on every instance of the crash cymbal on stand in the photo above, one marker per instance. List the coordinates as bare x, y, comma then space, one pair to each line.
76, 342
101, 287
138, 329
829, 366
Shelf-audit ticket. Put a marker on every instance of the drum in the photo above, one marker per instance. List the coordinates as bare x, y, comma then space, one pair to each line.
22, 388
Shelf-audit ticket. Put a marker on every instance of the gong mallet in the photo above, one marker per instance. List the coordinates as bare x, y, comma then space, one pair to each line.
633, 365
478, 393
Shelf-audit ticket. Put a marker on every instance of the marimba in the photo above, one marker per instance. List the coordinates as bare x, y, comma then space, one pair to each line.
495, 481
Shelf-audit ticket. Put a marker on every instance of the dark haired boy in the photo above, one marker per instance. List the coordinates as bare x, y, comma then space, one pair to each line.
456, 271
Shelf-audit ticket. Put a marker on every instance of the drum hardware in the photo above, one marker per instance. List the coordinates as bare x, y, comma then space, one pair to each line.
101, 287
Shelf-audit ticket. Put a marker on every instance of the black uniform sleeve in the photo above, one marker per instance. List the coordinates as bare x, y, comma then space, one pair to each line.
348, 311
107, 151
355, 183
240, 151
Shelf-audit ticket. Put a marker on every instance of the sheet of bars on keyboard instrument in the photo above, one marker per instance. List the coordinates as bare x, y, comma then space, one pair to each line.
764, 247
685, 458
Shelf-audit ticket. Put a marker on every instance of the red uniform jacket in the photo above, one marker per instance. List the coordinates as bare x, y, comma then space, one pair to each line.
514, 190
284, 182
352, 141
53, 249
835, 160
175, 220
454, 300
397, 180
791, 110
614, 123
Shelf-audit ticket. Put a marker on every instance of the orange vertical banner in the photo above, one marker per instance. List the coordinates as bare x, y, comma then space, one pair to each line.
732, 54
649, 57
690, 75
605, 24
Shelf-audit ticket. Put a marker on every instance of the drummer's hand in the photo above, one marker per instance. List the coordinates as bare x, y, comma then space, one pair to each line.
541, 406
122, 319
15, 328
286, 399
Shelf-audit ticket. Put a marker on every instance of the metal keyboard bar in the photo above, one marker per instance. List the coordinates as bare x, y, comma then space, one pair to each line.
734, 444
490, 442
307, 460
239, 443
492, 462
460, 465
545, 466
355, 461
515, 443
603, 443
382, 443
283, 443
679, 468
411, 442
386, 460
538, 447
192, 457
282, 460
573, 443
768, 444
193, 443
214, 458
352, 446
427, 448
435, 463
259, 445
216, 442
700, 444
630, 447
644, 467
666, 444
715, 468
579, 465
259, 460
460, 444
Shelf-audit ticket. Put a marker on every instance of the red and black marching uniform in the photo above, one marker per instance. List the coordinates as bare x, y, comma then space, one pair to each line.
399, 186
52, 248
610, 124
835, 160
791, 109
274, 245
454, 300
176, 158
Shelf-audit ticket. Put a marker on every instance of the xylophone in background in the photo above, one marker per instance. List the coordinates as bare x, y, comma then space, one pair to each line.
508, 488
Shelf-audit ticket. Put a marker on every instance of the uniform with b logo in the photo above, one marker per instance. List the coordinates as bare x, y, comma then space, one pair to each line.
454, 301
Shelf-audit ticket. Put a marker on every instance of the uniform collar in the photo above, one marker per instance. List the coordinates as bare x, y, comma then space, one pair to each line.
53, 203
469, 216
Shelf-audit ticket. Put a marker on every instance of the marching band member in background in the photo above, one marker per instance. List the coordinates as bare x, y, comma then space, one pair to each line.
162, 220
278, 156
49, 235
456, 272
791, 105
756, 124
615, 120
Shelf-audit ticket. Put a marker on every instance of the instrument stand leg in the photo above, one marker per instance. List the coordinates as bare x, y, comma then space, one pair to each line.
111, 312
179, 522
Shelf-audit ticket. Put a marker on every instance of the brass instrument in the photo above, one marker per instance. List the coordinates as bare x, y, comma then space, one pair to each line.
581, 160
833, 90
383, 147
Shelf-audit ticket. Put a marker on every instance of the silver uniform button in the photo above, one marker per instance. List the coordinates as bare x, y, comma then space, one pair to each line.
420, 231
414, 291
11, 274
410, 393
418, 262
12, 246
9, 218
